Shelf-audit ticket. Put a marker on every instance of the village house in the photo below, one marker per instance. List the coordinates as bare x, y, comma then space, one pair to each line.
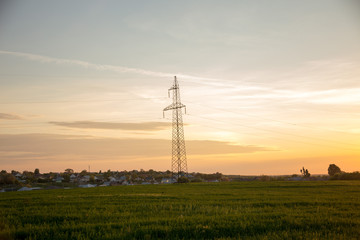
58, 179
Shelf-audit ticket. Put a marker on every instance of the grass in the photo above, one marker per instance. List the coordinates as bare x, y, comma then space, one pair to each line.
245, 210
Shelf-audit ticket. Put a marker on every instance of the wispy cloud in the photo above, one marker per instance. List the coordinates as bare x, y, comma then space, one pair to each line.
332, 96
8, 116
143, 126
100, 67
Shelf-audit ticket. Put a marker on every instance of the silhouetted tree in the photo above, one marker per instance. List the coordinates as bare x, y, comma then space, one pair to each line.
69, 171
37, 171
305, 172
83, 173
333, 169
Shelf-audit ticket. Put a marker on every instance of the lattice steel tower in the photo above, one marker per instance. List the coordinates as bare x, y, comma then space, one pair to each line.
178, 162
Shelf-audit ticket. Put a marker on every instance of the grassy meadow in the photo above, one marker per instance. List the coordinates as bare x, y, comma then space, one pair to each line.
233, 210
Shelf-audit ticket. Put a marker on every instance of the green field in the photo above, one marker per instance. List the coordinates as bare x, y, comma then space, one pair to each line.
243, 210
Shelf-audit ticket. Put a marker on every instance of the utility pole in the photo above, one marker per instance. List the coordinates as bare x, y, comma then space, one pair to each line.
178, 161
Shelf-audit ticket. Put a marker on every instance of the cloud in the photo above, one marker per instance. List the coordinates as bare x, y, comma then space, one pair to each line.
100, 67
144, 126
54, 147
339, 96
204, 147
8, 116
331, 96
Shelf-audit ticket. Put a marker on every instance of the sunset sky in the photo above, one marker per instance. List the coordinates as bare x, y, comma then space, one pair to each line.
269, 86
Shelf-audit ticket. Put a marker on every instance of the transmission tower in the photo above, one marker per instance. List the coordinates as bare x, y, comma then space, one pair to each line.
178, 161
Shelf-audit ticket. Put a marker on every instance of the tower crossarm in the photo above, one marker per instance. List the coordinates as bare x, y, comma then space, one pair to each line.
174, 106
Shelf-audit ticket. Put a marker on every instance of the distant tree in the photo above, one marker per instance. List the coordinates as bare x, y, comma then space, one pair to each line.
305, 172
37, 171
333, 169
346, 176
196, 180
3, 171
225, 179
182, 180
66, 178
42, 180
69, 171
10, 179
83, 172
92, 179
218, 175
7, 178
29, 176
134, 176
158, 178
265, 178
107, 174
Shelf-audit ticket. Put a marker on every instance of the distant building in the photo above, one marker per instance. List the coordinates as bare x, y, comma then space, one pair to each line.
58, 179
112, 179
85, 178
18, 175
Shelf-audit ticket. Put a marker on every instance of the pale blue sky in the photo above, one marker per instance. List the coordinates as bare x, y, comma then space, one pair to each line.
200, 37
252, 73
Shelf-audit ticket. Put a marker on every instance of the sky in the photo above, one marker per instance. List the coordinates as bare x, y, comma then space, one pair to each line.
269, 86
